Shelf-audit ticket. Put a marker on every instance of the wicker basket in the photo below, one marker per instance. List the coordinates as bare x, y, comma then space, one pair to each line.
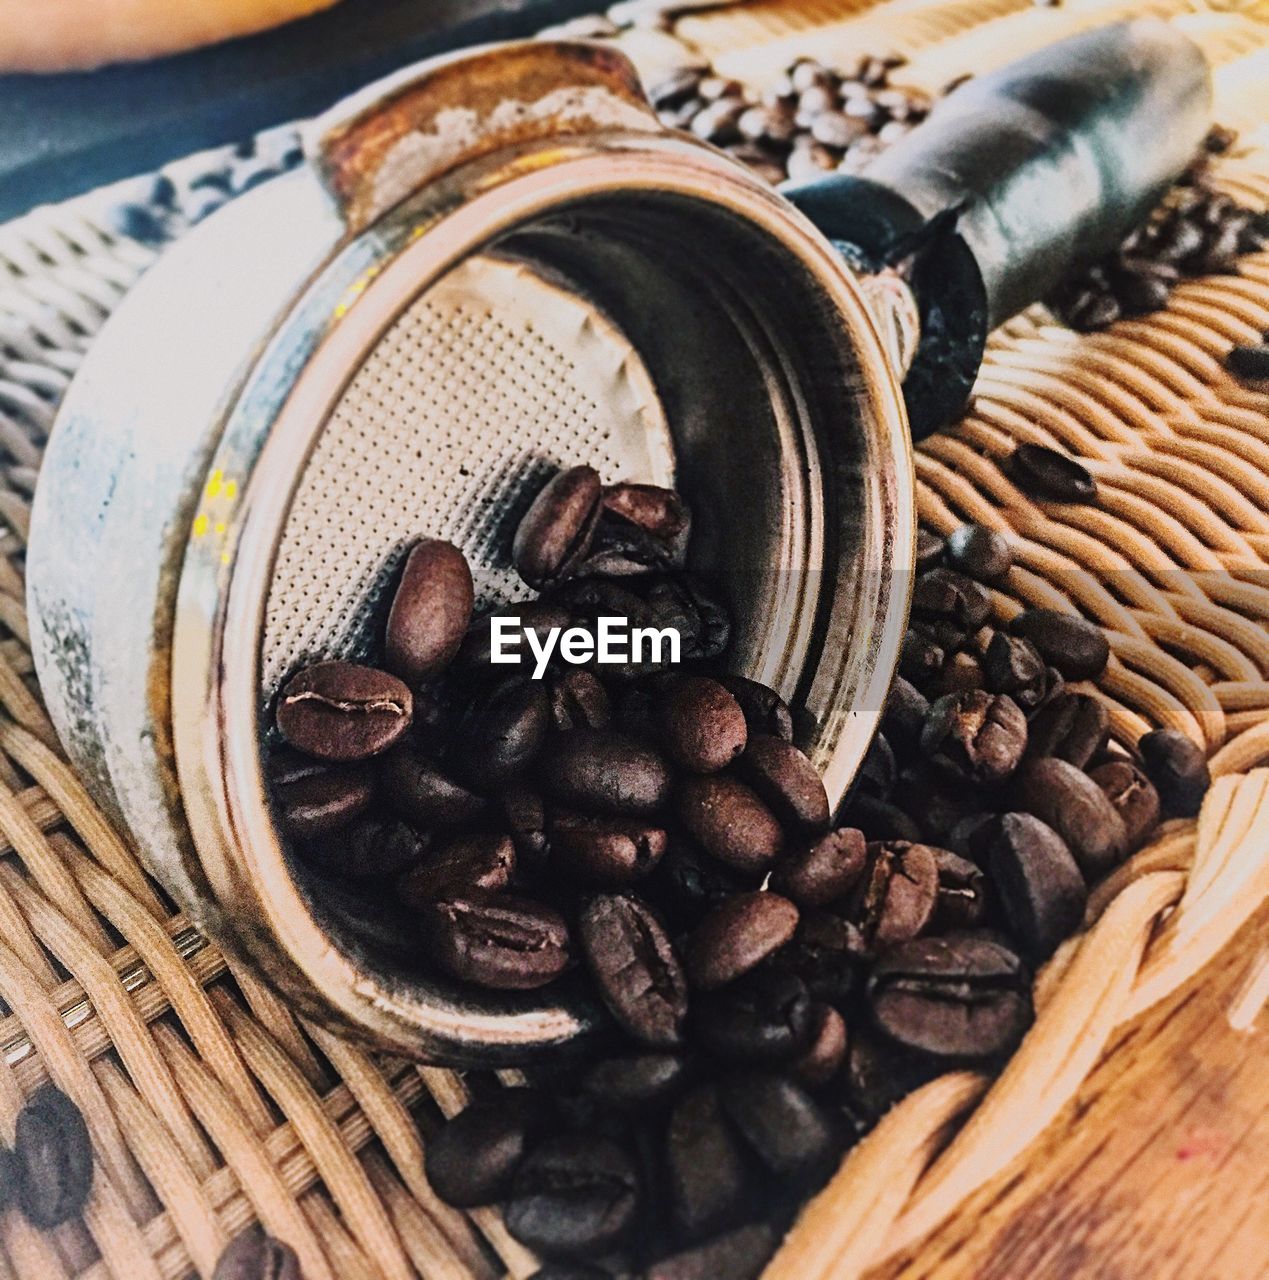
211, 1106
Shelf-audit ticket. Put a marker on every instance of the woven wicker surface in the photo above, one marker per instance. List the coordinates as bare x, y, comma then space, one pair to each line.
211, 1106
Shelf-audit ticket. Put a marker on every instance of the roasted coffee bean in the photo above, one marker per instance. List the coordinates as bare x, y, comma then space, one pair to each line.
1177, 767
478, 863
879, 770
704, 1164
948, 635
739, 1255
510, 944
791, 1134
424, 796
53, 1158
764, 710
620, 550
605, 852
975, 735
1134, 797
825, 1050
505, 732
763, 1017
730, 822
609, 773
962, 900
937, 800
556, 531
970, 836
930, 549
1046, 473
638, 1082
473, 1157
659, 512
1069, 726
906, 709
945, 594
878, 1073
253, 1255
573, 1195
430, 612
959, 997
315, 801
1249, 363
1077, 809
525, 817
880, 820
827, 953
737, 936
979, 552
1037, 882
341, 711
920, 659
1077, 648
373, 845
1014, 666
897, 895
826, 870
635, 968
786, 781
579, 701
688, 882
703, 725
962, 673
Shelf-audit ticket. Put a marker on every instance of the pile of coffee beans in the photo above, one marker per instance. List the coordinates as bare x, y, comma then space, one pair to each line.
775, 979
49, 1172
817, 120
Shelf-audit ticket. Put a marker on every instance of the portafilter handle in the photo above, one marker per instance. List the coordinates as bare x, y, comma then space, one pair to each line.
1016, 178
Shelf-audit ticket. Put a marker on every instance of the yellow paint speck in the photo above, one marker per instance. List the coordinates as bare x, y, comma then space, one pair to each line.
214, 484
219, 527
201, 526
231, 490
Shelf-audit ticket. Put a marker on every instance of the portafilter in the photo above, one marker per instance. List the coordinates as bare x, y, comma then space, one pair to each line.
491, 266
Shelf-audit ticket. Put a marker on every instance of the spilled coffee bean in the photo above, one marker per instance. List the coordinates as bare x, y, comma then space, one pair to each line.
1045, 473
52, 1158
253, 1255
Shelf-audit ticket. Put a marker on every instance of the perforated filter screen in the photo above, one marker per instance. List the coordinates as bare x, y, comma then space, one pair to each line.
474, 395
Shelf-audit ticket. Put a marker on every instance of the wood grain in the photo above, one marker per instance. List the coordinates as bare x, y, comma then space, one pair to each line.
1159, 1170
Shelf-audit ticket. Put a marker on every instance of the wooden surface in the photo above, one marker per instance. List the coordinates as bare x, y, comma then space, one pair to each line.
1159, 1171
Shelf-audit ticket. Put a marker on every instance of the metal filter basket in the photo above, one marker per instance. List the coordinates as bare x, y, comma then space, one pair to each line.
493, 265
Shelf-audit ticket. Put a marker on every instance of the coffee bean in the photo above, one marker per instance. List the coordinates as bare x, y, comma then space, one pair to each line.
827, 953
603, 772
573, 1195
1038, 883
737, 936
315, 801
430, 612
975, 735
424, 796
479, 863
980, 552
897, 896
786, 1128
970, 836
786, 781
1046, 473
906, 709
505, 731
1077, 809
879, 820
556, 531
1178, 768
704, 1164
961, 893
1134, 797
764, 710
962, 673
936, 799
53, 1158
920, 659
638, 1082
688, 882
473, 1157
373, 845
1249, 363
763, 1017
826, 870
1014, 666
606, 852
579, 701
635, 968
525, 818
826, 1047
930, 549
738, 1255
730, 822
879, 770
253, 1255
879, 1073
1071, 727
1077, 648
341, 711
945, 594
657, 511
959, 997
510, 944
704, 727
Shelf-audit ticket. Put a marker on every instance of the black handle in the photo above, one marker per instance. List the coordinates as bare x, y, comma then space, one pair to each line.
1035, 169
